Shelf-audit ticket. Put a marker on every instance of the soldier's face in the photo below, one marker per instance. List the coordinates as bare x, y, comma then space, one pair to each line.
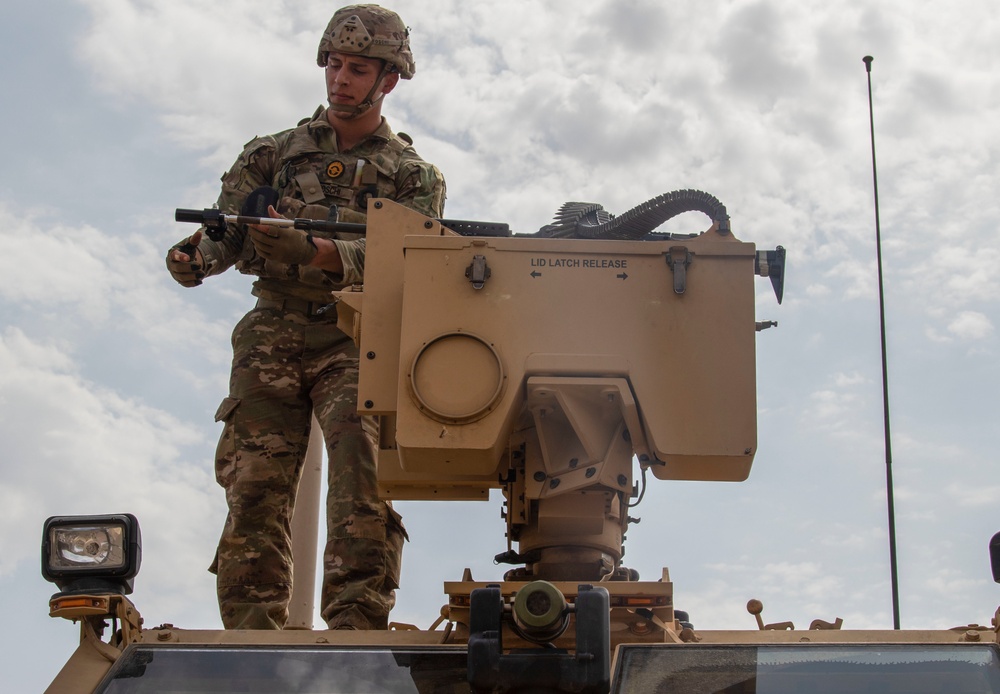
349, 79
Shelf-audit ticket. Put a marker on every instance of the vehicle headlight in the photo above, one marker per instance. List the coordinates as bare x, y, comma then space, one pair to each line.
91, 553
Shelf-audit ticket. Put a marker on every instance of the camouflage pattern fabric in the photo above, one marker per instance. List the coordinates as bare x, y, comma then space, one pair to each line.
305, 163
283, 362
288, 363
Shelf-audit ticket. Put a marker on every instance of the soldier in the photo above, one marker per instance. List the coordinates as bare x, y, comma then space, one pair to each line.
289, 358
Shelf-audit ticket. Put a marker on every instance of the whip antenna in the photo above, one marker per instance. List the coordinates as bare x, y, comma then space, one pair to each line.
885, 373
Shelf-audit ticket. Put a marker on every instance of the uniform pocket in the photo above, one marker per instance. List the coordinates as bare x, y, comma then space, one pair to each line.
395, 523
225, 452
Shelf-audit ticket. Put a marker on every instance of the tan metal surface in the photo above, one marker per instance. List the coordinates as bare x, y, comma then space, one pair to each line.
388, 223
626, 597
94, 656
542, 365
451, 361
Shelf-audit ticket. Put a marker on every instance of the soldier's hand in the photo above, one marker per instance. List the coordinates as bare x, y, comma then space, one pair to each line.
185, 262
282, 244
293, 208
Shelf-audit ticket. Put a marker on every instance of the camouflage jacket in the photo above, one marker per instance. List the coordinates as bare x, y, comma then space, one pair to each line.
305, 163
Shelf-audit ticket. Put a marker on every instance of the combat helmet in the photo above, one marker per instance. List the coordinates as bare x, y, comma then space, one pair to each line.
370, 31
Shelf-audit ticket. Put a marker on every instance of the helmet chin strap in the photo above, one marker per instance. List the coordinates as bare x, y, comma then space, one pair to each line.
352, 112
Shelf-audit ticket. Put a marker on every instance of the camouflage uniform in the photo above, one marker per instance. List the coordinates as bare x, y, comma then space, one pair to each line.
289, 359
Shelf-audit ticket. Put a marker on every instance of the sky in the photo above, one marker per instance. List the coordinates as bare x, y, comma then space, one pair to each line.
120, 111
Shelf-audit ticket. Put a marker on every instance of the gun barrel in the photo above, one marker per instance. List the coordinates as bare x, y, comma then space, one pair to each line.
193, 216
215, 219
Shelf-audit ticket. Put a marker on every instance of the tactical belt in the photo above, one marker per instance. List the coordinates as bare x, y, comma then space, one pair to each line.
309, 308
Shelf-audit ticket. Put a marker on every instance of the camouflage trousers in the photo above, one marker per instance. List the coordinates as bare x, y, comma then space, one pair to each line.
286, 365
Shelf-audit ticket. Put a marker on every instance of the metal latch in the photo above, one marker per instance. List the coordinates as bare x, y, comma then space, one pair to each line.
478, 272
678, 258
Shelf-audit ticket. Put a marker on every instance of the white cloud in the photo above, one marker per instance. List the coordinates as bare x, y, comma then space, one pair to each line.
973, 495
83, 281
971, 325
55, 265
76, 447
188, 63
852, 379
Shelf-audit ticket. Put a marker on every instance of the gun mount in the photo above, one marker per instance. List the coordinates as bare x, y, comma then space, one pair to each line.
541, 366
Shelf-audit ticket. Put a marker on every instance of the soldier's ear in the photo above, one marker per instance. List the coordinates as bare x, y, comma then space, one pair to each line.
389, 82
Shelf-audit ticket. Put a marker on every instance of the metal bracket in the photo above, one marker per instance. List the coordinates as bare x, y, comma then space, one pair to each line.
678, 258
772, 264
478, 272
492, 669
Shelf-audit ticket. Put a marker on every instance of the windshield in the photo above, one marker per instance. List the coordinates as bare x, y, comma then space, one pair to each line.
176, 670
812, 668
684, 669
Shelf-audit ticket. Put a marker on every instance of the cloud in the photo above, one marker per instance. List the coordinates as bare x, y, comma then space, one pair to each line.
55, 264
754, 46
971, 325
81, 283
973, 495
839, 408
72, 446
149, 53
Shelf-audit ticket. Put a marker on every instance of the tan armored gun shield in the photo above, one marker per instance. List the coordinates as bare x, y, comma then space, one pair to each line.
542, 365
560, 320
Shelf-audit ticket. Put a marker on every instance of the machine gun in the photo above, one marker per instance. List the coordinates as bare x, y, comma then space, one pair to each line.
541, 365
216, 223
254, 211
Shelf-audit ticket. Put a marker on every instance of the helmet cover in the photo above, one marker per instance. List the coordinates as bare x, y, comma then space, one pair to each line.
370, 31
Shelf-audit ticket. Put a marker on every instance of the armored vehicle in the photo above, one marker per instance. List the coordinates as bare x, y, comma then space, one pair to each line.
495, 360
